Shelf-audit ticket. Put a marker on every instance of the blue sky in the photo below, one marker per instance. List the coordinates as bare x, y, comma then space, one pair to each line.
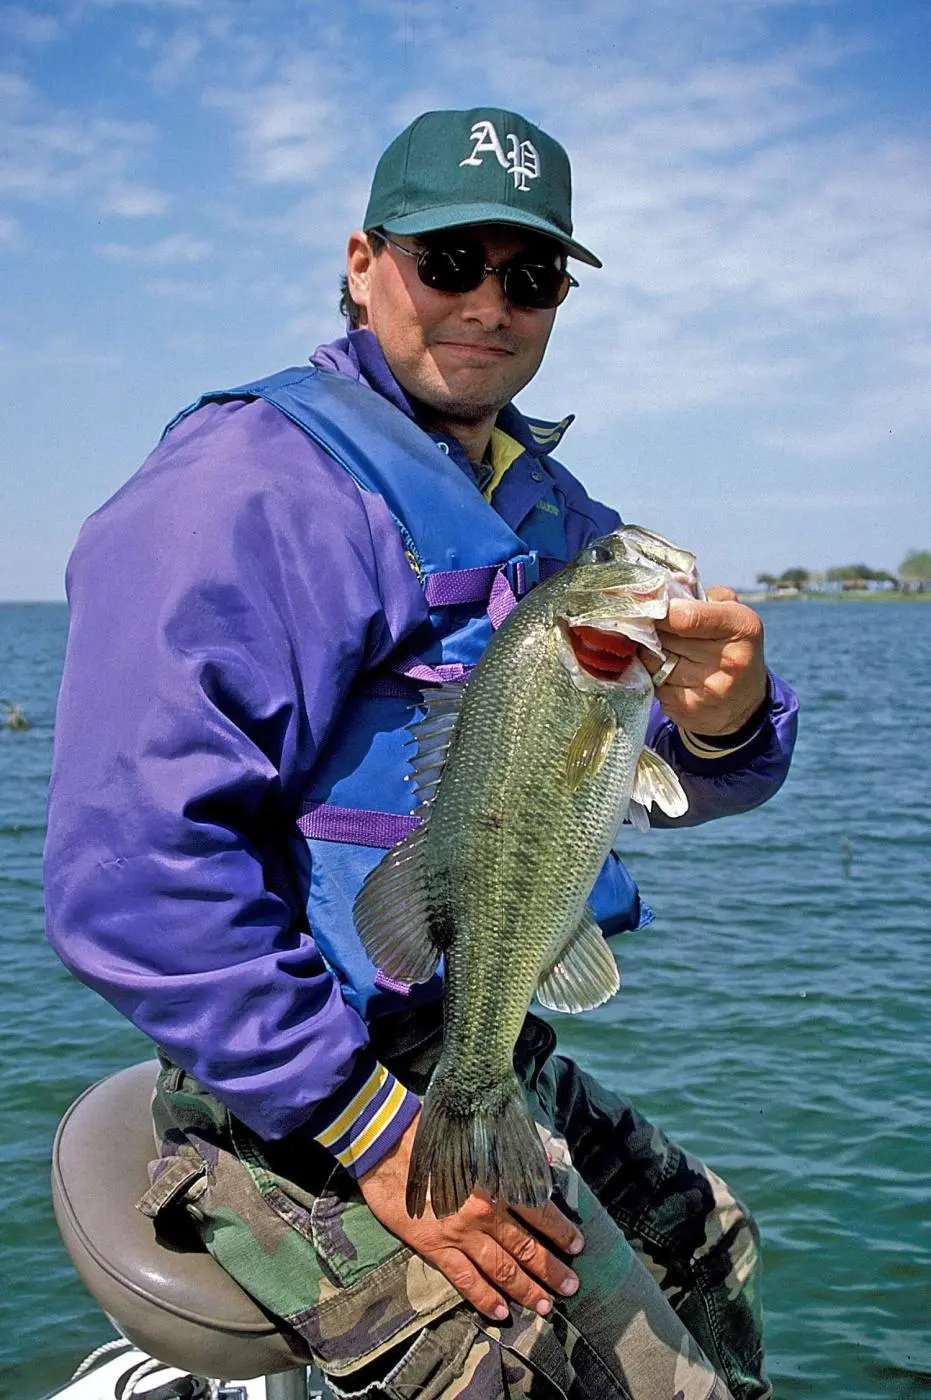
749, 371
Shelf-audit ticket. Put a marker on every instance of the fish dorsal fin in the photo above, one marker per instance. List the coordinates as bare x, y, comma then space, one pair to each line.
392, 910
392, 913
655, 781
591, 742
585, 973
431, 736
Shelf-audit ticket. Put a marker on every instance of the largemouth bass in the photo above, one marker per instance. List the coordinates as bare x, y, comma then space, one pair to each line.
524, 777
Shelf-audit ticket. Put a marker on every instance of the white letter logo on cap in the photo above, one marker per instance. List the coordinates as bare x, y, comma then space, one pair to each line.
522, 160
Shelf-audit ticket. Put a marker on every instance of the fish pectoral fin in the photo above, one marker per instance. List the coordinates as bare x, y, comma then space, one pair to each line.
392, 913
591, 743
585, 975
655, 781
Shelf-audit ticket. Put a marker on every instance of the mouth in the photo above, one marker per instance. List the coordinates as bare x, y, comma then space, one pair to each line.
604, 655
471, 350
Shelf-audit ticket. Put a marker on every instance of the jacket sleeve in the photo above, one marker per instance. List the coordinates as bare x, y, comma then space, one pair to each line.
222, 603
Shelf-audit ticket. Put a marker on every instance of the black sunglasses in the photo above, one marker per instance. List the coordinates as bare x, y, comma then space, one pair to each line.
446, 267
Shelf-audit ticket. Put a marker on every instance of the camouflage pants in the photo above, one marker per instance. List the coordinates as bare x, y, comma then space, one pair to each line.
668, 1307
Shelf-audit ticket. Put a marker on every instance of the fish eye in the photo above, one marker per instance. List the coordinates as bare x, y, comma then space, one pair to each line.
600, 554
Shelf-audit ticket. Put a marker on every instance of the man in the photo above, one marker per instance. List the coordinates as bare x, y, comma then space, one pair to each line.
254, 613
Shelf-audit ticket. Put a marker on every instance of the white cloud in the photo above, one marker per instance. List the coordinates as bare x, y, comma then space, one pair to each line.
189, 293
50, 155
290, 130
17, 22
176, 61
135, 201
176, 248
78, 9
59, 352
814, 502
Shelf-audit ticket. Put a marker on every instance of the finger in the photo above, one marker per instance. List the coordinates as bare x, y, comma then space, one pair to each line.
689, 671
502, 1258
473, 1285
557, 1229
650, 660
721, 621
534, 1258
720, 593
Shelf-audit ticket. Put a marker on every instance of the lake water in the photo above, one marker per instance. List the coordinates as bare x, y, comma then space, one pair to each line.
774, 1018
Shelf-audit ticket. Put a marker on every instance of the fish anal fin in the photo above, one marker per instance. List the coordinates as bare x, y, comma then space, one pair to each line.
655, 781
392, 913
584, 975
591, 743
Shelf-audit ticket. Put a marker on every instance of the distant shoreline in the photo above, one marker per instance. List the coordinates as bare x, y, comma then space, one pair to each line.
814, 596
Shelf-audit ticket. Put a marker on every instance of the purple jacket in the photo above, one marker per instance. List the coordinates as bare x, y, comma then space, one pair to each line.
222, 603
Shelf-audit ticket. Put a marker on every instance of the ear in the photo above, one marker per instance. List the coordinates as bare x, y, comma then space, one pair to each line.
359, 259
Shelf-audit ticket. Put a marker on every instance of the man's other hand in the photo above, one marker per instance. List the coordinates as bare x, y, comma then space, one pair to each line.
485, 1249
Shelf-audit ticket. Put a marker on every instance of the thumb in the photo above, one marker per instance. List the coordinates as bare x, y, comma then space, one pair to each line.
720, 593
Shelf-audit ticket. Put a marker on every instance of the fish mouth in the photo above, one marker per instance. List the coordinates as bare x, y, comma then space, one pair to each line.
605, 637
600, 658
595, 658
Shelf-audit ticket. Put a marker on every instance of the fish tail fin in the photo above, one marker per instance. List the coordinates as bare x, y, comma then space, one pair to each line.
460, 1146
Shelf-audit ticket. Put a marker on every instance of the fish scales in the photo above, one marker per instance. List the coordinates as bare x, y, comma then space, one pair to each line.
505, 822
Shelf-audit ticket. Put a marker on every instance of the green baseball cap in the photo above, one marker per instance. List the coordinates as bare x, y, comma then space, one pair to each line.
484, 166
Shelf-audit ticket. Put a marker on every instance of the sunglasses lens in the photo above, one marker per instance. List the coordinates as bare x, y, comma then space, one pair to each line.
451, 270
535, 286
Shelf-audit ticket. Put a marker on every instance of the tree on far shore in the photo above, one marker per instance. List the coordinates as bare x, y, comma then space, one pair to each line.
794, 578
915, 570
859, 576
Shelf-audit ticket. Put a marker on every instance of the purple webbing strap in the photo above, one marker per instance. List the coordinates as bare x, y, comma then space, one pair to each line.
503, 600
356, 825
500, 585
410, 668
447, 587
444, 671
391, 984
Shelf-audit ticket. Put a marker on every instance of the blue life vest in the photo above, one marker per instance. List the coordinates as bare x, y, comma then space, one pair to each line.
359, 800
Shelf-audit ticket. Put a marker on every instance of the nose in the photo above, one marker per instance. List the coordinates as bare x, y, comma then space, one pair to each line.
487, 304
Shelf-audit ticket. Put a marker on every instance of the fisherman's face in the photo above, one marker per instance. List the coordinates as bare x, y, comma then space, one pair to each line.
462, 356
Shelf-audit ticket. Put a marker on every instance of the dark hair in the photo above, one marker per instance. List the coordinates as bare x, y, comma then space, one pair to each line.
354, 313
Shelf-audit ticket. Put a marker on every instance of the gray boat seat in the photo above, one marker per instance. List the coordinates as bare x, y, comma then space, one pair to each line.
167, 1295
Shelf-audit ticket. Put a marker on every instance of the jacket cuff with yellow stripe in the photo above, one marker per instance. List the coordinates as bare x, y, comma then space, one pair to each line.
363, 1120
729, 750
